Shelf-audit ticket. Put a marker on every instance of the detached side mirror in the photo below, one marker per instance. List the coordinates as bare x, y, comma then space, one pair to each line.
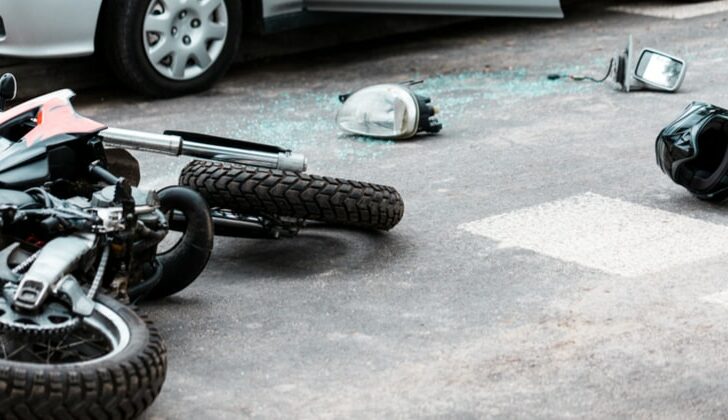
623, 68
8, 89
655, 70
659, 71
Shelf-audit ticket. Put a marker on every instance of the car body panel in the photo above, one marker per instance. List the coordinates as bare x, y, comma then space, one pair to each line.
47, 29
272, 8
67, 28
514, 8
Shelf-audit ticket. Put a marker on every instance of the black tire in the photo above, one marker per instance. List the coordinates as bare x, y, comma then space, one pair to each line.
121, 35
120, 386
183, 263
248, 190
717, 199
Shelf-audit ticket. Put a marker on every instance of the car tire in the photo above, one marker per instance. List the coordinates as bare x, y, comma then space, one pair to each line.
124, 41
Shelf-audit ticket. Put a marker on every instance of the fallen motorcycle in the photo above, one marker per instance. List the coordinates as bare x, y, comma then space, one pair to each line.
77, 244
79, 241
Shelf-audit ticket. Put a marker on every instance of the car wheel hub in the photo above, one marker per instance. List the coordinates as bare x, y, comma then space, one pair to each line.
184, 38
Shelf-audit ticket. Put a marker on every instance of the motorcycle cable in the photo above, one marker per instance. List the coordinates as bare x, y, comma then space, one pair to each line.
55, 206
579, 78
47, 201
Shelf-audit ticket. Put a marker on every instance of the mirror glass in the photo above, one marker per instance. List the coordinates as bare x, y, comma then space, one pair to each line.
659, 70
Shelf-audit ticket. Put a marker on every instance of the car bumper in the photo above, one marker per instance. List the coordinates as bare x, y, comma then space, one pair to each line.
48, 29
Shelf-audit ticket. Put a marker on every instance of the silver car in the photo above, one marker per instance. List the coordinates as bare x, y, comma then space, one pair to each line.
171, 47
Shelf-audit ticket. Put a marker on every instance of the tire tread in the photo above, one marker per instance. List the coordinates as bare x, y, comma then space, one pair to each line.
251, 190
122, 391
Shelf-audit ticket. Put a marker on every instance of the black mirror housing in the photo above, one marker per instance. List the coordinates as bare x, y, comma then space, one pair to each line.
8, 89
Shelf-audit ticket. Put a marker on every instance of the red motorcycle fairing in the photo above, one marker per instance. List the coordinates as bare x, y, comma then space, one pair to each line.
54, 115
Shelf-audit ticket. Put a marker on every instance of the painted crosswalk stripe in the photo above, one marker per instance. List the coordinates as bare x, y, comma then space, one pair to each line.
720, 298
673, 11
606, 234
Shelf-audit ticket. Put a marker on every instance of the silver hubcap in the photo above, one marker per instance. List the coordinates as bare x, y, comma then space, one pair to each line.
183, 38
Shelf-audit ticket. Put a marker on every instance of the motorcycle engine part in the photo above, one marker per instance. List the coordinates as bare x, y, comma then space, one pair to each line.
260, 192
387, 111
693, 151
178, 143
57, 258
51, 319
145, 200
112, 219
184, 262
112, 350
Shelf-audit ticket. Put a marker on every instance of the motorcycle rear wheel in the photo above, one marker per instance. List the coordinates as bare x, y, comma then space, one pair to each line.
116, 373
257, 191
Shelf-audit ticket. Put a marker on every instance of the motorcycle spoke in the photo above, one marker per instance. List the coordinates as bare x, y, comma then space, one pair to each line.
96, 344
71, 348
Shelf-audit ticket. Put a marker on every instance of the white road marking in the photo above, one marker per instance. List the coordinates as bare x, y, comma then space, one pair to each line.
606, 234
677, 11
720, 298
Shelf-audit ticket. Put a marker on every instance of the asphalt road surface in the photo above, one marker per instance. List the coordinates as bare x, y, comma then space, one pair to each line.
545, 267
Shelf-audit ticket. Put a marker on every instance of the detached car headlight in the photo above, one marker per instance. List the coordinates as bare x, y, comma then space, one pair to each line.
387, 111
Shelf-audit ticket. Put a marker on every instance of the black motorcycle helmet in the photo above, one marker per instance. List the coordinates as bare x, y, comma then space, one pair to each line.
693, 151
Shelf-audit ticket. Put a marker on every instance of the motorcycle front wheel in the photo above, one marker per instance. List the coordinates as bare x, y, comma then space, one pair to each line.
183, 262
111, 366
257, 191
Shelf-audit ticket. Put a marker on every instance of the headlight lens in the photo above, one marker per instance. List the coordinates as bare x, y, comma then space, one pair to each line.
382, 111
